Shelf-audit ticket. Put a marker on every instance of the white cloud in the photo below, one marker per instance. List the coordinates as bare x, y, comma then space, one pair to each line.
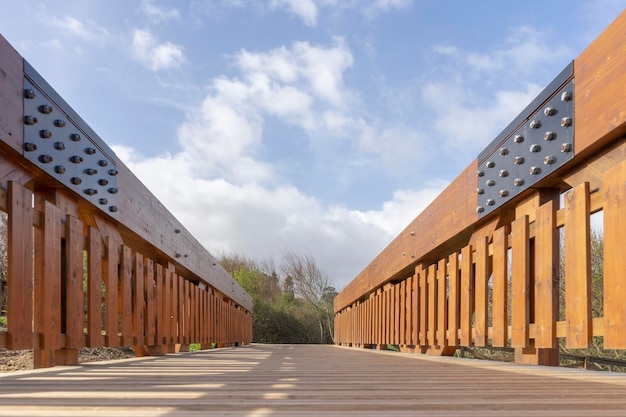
309, 10
304, 9
89, 31
153, 55
158, 14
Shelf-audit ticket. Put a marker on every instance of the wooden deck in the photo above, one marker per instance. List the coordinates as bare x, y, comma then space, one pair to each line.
286, 380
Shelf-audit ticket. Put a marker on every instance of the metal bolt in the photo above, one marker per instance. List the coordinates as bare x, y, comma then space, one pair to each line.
535, 170
518, 139
519, 160
503, 173
30, 147
45, 159
412, 233
178, 231
91, 191
566, 122
30, 120
535, 148
113, 209
549, 111
59, 123
103, 201
112, 190
504, 193
75, 137
45, 134
566, 147
91, 171
490, 164
113, 172
103, 162
480, 209
103, 182
90, 151
490, 183
480, 173
45, 109
535, 124
59, 169
30, 93
76, 181
518, 182
504, 151
178, 255
549, 160
480, 191
566, 96
59, 146
490, 202
549, 136
76, 159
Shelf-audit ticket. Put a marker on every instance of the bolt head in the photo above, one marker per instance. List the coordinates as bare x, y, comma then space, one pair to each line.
566, 122
566, 96
549, 111
518, 139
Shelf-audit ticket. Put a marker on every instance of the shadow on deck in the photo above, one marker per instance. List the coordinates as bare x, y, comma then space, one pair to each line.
287, 380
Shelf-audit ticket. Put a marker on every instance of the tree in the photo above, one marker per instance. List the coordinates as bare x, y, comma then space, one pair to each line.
312, 285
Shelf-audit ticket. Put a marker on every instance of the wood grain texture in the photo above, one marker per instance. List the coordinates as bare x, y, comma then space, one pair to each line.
600, 74
20, 268
614, 263
453, 300
11, 93
94, 288
500, 287
442, 306
126, 296
520, 278
481, 258
50, 299
74, 294
546, 276
310, 380
467, 296
577, 267
112, 281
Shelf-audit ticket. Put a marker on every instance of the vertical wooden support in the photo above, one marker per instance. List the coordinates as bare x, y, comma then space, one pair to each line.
500, 287
167, 304
614, 189
416, 307
94, 288
442, 313
150, 307
175, 309
160, 326
48, 290
546, 276
453, 300
467, 296
423, 311
403, 305
20, 268
577, 268
126, 296
410, 305
520, 268
481, 279
74, 294
112, 291
139, 302
181, 309
396, 314
432, 305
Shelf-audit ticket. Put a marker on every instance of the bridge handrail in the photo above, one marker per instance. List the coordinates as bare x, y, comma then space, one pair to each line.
429, 288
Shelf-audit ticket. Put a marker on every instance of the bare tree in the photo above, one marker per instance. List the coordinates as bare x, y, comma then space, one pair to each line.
311, 284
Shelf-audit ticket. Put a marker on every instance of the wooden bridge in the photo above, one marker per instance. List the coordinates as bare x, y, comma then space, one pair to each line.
95, 260
481, 265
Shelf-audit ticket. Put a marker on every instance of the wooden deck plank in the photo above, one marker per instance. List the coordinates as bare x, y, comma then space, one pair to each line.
309, 380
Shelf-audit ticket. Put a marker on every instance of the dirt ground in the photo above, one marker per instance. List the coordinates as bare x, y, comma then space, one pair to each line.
18, 360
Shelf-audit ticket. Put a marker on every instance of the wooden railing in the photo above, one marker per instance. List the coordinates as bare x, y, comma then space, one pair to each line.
472, 270
94, 259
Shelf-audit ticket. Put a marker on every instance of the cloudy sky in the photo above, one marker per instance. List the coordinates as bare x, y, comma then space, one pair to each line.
318, 126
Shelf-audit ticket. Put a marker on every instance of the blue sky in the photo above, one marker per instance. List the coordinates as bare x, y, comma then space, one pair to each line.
319, 126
